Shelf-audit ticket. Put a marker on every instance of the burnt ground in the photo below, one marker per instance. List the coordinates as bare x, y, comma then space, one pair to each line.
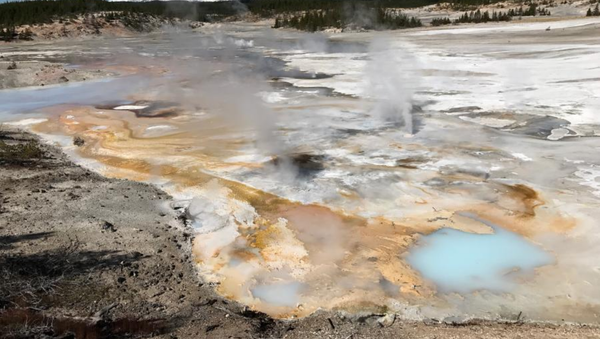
83, 256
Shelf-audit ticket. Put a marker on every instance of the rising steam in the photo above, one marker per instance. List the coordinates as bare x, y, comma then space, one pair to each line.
392, 81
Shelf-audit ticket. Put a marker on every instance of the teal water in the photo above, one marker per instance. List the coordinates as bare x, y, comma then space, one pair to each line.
458, 261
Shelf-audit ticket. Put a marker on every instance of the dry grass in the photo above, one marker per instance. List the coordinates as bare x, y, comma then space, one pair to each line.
21, 151
28, 278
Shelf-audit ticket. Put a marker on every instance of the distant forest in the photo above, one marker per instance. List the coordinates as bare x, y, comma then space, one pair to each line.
478, 16
349, 16
269, 8
44, 11
310, 15
595, 12
18, 13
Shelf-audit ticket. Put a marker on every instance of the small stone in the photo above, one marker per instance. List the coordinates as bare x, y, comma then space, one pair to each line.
211, 328
108, 226
430, 321
454, 320
78, 141
387, 320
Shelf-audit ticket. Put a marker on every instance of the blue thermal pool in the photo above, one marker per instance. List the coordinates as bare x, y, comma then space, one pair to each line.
458, 261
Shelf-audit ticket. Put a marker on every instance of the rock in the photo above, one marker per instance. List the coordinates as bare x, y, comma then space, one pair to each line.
12, 65
195, 24
108, 226
78, 141
211, 328
430, 321
387, 320
367, 318
67, 335
180, 205
63, 79
455, 320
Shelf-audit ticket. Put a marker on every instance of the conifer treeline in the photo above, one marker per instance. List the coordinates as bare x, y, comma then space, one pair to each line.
595, 12
44, 11
477, 17
440, 21
533, 10
10, 33
308, 15
270, 8
482, 17
370, 18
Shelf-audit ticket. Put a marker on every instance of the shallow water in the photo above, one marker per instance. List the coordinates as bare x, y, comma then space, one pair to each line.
458, 261
27, 100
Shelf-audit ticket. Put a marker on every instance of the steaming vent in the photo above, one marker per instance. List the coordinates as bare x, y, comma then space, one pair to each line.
276, 69
305, 163
393, 115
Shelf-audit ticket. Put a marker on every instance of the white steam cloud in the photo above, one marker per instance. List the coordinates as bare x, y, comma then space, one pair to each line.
392, 81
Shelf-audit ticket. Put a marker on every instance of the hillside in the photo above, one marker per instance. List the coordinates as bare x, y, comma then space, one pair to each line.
48, 19
26, 20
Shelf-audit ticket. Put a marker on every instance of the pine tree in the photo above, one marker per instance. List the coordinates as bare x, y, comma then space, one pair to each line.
486, 16
596, 11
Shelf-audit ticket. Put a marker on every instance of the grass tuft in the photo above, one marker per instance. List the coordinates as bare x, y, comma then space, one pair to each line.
28, 150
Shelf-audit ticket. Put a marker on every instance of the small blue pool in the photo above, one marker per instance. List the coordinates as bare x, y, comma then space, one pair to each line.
458, 261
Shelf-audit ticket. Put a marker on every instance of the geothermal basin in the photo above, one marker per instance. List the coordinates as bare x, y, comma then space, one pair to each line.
432, 173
